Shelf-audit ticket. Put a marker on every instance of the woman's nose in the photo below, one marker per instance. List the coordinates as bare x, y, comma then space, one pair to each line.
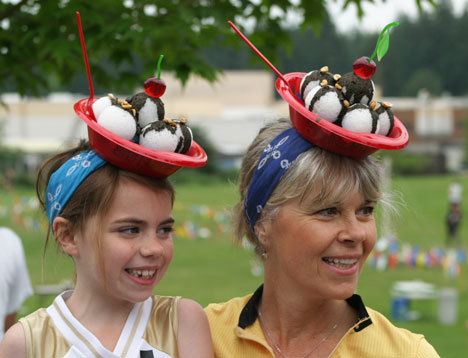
353, 230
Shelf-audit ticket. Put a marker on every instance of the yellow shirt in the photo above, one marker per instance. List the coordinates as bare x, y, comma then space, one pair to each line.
151, 327
236, 332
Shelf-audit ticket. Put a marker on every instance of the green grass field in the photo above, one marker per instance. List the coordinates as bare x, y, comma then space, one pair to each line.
212, 269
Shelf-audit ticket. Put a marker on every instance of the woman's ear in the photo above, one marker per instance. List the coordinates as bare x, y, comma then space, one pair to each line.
261, 231
65, 236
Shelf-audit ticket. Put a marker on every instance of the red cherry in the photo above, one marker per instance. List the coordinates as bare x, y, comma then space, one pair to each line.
364, 67
154, 87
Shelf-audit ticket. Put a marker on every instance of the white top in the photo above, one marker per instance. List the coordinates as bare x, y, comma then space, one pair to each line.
15, 285
455, 193
84, 344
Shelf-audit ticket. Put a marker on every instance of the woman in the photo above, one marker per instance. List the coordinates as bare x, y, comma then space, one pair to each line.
309, 214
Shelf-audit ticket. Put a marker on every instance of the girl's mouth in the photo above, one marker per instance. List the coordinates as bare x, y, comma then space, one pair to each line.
141, 274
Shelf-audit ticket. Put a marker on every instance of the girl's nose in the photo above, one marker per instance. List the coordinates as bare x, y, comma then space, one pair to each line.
151, 246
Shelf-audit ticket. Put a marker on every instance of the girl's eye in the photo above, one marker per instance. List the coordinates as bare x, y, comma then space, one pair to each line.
166, 232
129, 230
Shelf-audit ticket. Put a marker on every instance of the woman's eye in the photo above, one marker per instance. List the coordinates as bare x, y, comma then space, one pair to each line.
367, 210
328, 212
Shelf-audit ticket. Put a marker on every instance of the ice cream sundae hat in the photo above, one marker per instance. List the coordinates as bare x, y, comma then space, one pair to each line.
124, 153
322, 132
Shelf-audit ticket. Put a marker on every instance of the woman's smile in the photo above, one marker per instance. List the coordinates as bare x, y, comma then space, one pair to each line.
343, 266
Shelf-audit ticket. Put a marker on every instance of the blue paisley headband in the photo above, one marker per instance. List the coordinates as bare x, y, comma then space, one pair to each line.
276, 159
66, 179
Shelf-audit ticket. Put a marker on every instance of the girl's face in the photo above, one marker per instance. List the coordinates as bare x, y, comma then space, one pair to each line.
320, 252
136, 243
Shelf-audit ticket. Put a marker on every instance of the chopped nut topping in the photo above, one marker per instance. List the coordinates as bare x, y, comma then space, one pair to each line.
373, 104
324, 69
124, 104
324, 83
346, 103
336, 76
387, 105
170, 121
338, 86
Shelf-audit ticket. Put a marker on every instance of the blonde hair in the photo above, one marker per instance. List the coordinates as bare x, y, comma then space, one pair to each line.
94, 195
317, 178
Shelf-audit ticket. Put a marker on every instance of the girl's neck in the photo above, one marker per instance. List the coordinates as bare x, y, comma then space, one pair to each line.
96, 302
102, 315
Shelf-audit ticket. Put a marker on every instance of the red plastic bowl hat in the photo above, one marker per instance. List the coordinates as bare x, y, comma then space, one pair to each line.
321, 132
330, 136
124, 153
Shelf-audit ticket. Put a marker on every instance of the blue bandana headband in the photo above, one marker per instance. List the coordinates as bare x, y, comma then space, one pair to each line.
276, 159
66, 179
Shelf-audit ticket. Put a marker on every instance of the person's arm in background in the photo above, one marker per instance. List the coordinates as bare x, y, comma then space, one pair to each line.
10, 320
20, 287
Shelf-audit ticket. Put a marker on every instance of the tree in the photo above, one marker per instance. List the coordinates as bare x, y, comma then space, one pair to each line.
40, 48
422, 79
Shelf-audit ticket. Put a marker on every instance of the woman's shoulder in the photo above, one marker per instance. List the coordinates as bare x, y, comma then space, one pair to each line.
387, 333
235, 304
226, 313
385, 326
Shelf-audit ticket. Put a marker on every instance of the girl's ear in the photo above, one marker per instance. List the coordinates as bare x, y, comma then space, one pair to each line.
65, 236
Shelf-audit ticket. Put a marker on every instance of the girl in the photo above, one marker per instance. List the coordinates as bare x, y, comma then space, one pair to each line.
117, 227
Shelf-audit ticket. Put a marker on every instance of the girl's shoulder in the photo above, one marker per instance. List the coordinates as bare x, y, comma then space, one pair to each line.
36, 323
13, 343
179, 324
177, 310
193, 330
20, 337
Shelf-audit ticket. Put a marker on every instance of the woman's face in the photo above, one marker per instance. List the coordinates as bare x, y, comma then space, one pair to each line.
136, 243
320, 252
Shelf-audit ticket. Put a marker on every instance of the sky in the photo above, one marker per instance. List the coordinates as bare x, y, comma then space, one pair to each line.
378, 14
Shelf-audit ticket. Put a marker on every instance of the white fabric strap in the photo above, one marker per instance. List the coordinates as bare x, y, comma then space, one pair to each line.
84, 344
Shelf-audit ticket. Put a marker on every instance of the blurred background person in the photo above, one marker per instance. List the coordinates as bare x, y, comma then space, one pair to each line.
15, 285
455, 193
453, 220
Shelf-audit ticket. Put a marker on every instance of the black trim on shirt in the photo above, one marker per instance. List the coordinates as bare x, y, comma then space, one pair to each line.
249, 313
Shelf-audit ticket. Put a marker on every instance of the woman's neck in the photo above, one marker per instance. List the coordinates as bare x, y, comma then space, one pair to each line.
297, 323
295, 312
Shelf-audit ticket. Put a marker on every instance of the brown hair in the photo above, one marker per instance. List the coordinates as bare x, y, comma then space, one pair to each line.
94, 195
316, 178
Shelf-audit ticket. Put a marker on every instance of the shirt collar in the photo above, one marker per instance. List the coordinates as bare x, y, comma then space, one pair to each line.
249, 313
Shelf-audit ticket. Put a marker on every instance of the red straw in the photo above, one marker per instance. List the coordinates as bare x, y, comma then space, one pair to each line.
85, 55
259, 54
